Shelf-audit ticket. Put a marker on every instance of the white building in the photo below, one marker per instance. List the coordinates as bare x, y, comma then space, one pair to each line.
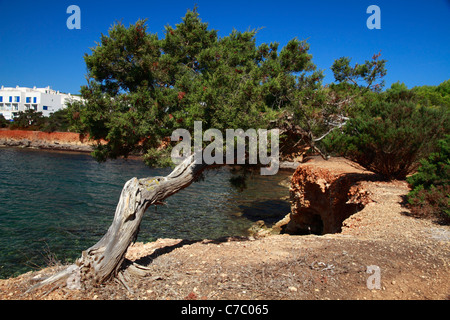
45, 100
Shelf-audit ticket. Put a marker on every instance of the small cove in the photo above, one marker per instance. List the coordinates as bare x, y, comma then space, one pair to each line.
53, 205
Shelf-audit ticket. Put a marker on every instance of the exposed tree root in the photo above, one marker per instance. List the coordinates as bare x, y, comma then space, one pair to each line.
61, 277
70, 277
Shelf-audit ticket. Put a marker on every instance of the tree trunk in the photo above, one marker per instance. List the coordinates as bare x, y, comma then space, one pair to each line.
104, 260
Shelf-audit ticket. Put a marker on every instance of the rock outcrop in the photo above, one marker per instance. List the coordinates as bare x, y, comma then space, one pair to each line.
69, 141
325, 193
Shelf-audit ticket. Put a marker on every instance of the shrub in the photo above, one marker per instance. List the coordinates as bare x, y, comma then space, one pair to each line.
3, 122
430, 194
57, 121
28, 120
32, 120
389, 138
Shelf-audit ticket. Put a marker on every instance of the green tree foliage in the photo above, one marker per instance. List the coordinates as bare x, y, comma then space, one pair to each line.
430, 194
57, 121
437, 96
32, 120
400, 92
368, 75
329, 108
428, 96
29, 120
3, 122
142, 87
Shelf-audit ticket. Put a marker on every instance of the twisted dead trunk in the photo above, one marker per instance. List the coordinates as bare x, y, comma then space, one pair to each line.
105, 259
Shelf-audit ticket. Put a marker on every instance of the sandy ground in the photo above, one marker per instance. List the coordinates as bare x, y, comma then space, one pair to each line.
381, 253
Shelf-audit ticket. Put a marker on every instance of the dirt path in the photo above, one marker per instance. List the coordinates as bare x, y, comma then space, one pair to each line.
409, 256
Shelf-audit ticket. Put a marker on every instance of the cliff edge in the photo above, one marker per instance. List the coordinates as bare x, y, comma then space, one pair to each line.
68, 141
325, 193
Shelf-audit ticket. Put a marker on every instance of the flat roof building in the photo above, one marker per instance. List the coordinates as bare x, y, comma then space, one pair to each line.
45, 100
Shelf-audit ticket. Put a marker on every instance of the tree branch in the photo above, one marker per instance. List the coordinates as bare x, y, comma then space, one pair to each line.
105, 259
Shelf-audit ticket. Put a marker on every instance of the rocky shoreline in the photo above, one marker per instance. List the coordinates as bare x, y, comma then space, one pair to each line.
64, 141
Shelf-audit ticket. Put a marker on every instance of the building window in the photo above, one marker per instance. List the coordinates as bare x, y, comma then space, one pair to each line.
17, 99
28, 99
34, 99
10, 98
44, 108
1, 98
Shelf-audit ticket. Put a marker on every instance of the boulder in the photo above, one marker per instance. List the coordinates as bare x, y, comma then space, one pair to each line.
323, 193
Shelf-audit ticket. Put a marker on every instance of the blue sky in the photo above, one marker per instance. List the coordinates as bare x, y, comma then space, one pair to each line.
37, 48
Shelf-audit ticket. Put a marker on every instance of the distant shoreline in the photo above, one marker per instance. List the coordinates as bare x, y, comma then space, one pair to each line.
62, 141
70, 142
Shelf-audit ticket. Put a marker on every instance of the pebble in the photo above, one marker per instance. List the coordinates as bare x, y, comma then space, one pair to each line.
293, 289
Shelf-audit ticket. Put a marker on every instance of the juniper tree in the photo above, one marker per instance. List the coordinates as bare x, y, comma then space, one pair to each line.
141, 87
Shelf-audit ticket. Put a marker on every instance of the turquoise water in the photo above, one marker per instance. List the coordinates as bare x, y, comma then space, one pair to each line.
53, 205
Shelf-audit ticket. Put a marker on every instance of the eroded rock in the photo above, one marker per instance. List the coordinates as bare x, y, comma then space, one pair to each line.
325, 193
